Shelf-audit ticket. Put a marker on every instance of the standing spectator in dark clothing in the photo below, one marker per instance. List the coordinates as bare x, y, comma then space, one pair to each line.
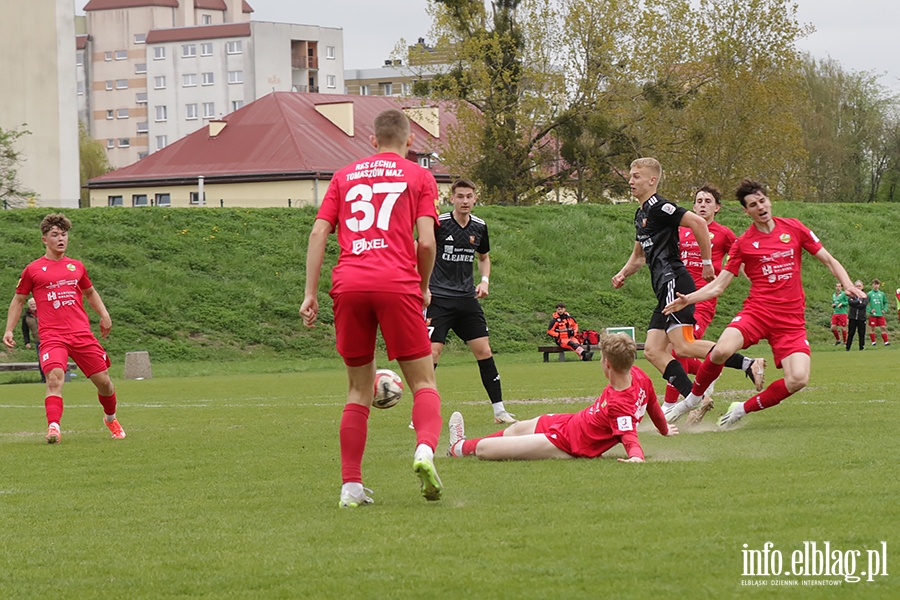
563, 329
30, 332
857, 319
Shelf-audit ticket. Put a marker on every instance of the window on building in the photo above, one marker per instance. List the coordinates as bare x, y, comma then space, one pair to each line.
188, 50
124, 142
140, 98
140, 38
109, 84
425, 162
209, 110
79, 58
163, 200
159, 82
404, 89
139, 200
206, 49
110, 143
195, 197
236, 47
81, 88
235, 77
162, 141
364, 90
121, 84
207, 19
143, 127
236, 104
107, 56
142, 155
330, 81
122, 113
329, 52
387, 89
191, 111
114, 200
189, 80
121, 54
110, 114
161, 114
140, 68
159, 53
207, 78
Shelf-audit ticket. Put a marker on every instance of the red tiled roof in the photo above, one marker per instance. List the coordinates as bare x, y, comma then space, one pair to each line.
114, 4
279, 136
81, 41
210, 4
203, 32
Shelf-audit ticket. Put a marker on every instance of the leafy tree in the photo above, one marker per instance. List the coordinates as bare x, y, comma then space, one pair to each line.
12, 193
93, 161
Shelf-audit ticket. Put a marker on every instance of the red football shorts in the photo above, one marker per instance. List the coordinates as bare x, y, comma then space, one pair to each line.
839, 320
357, 316
704, 312
877, 322
786, 336
85, 350
554, 427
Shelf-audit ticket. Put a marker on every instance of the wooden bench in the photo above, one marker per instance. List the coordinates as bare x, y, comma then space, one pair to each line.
548, 350
33, 366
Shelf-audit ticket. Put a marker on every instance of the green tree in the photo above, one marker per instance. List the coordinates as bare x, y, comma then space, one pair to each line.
12, 193
93, 161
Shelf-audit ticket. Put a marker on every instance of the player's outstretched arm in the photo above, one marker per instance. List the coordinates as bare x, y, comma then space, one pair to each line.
632, 266
12, 317
711, 290
838, 270
315, 254
93, 299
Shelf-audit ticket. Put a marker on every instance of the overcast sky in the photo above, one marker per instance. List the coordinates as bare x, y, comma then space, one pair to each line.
861, 34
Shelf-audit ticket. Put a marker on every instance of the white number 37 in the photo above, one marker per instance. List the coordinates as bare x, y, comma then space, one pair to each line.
360, 196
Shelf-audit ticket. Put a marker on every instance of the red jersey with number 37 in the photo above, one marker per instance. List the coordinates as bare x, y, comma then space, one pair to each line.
772, 262
57, 287
374, 204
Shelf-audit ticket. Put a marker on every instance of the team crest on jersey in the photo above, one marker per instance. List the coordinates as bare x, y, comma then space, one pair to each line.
785, 237
644, 222
471, 239
70, 267
711, 236
668, 208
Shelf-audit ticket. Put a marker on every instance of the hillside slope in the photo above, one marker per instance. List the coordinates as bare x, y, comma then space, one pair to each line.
226, 284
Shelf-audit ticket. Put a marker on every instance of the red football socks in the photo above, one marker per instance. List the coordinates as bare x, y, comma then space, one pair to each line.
708, 372
53, 405
769, 397
354, 429
109, 403
426, 417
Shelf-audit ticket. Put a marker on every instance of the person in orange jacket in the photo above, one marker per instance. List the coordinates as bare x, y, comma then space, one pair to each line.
563, 329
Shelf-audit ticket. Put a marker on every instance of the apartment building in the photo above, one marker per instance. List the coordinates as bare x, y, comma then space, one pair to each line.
161, 69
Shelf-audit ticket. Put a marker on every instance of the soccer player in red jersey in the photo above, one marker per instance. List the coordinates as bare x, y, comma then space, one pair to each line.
707, 202
770, 251
59, 285
381, 279
612, 419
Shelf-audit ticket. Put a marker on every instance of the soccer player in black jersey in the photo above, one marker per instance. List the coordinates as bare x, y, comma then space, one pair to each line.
461, 238
656, 223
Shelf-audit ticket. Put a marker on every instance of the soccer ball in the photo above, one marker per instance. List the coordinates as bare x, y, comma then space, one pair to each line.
388, 388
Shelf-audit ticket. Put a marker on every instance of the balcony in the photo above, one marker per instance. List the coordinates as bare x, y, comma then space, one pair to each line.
305, 62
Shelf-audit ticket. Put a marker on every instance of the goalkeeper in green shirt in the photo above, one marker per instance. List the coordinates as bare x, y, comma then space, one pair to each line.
840, 306
877, 305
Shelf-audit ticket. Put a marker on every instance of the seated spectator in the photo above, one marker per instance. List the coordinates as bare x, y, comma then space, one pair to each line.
563, 330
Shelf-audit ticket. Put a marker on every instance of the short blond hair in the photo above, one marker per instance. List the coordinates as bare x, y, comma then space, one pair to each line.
650, 164
391, 128
620, 350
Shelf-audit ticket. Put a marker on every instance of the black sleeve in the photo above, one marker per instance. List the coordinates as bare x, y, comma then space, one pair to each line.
26, 332
485, 246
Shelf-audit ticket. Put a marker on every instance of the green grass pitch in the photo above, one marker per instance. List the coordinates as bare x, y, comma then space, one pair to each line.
227, 487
